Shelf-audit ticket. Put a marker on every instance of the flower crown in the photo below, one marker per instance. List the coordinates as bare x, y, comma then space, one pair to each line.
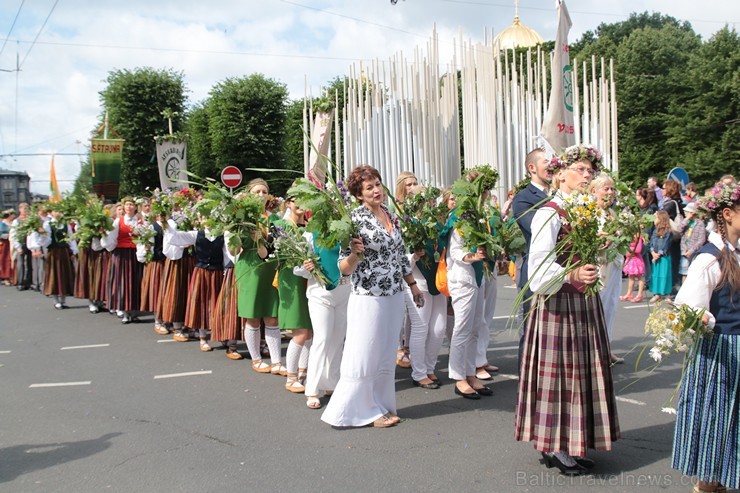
718, 198
574, 154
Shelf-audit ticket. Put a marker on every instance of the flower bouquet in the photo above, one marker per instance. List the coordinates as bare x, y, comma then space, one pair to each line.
143, 234
626, 223
675, 329
291, 249
241, 214
475, 221
91, 220
330, 208
583, 242
512, 240
31, 224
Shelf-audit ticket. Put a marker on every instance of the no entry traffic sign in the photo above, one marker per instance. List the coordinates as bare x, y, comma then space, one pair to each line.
231, 176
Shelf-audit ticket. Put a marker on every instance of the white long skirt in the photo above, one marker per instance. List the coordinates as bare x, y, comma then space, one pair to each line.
366, 389
611, 275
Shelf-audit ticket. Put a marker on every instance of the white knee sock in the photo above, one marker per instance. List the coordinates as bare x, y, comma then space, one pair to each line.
292, 357
303, 360
272, 337
252, 338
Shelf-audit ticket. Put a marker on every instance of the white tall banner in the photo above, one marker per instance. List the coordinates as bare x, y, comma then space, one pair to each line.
172, 161
320, 139
558, 130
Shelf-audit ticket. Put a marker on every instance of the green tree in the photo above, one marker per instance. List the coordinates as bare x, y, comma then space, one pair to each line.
83, 183
200, 155
246, 124
703, 127
135, 100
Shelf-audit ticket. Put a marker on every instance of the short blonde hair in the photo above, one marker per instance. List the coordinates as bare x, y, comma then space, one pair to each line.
599, 181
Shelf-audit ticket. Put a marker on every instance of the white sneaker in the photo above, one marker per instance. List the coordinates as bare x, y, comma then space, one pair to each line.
125, 319
58, 306
120, 314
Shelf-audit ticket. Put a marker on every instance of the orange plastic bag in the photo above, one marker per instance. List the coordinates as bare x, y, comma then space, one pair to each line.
440, 279
275, 280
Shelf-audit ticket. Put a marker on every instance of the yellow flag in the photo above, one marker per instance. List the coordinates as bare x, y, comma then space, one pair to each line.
55, 196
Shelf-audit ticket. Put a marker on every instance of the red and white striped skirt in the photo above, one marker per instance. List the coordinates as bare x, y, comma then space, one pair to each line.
125, 278
172, 303
59, 274
225, 323
205, 286
151, 285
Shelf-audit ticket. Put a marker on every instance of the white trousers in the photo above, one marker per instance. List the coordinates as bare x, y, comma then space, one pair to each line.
366, 388
490, 290
467, 301
328, 310
428, 327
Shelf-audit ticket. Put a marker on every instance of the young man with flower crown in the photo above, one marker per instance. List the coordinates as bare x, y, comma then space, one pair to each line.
707, 434
565, 352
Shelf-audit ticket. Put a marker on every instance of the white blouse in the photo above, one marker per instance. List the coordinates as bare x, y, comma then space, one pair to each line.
546, 275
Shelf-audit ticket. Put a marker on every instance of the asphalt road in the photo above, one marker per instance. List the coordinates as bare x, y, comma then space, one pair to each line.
226, 428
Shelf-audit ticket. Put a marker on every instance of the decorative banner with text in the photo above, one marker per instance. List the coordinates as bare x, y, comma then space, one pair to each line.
320, 140
172, 161
557, 127
106, 156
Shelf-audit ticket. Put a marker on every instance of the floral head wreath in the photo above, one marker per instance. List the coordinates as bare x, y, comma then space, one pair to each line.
718, 198
574, 154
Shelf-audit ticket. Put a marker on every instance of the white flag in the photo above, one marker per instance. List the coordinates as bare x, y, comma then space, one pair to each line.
172, 162
320, 138
557, 130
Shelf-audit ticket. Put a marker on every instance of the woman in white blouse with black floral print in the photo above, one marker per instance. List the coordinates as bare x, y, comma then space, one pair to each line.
379, 267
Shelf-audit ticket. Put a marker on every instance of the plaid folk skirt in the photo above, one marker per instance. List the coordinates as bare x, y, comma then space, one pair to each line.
151, 285
172, 303
125, 278
82, 276
225, 323
59, 277
566, 392
205, 286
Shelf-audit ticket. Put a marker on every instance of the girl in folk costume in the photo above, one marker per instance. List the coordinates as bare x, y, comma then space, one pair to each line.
376, 259
258, 299
565, 353
207, 278
178, 267
126, 271
705, 442
661, 244
293, 311
405, 182
464, 280
225, 323
327, 306
153, 258
83, 275
59, 270
602, 187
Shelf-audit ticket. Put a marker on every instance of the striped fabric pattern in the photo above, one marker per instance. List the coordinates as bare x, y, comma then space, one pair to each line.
172, 303
59, 276
705, 442
205, 286
125, 279
82, 276
151, 285
98, 269
225, 323
566, 392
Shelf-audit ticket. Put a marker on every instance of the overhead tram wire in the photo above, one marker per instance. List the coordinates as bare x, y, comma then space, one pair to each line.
12, 26
38, 34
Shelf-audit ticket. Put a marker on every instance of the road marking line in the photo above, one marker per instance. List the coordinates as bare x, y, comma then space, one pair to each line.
85, 347
186, 374
501, 317
635, 306
59, 384
506, 348
4, 352
506, 375
630, 401
166, 340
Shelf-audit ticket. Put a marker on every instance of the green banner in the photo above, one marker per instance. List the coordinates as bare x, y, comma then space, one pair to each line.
106, 157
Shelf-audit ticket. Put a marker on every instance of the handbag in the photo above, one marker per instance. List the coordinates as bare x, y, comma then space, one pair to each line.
440, 279
676, 224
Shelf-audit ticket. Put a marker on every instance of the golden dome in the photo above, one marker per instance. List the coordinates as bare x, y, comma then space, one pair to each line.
516, 35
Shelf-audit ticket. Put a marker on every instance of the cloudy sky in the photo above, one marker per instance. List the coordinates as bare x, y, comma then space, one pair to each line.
66, 48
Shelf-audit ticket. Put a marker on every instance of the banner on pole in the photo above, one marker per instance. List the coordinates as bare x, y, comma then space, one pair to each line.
106, 156
558, 131
320, 140
172, 162
54, 196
